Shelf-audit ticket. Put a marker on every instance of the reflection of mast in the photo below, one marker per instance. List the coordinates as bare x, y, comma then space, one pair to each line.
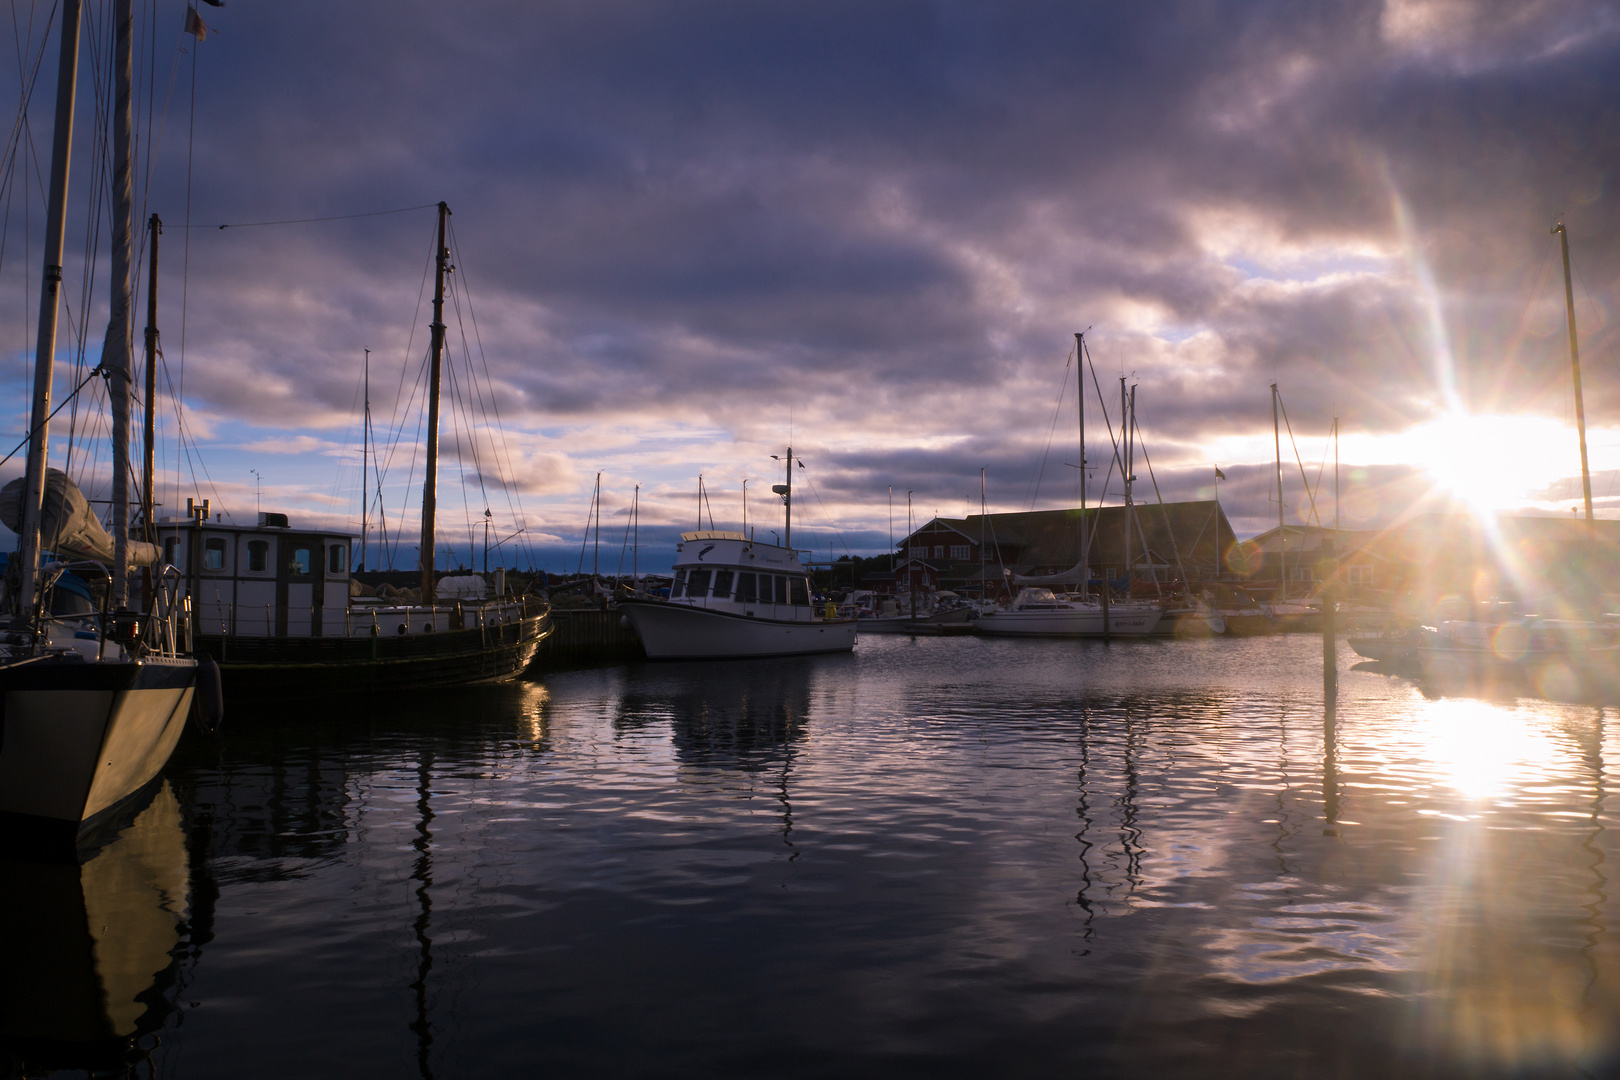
1130, 837
1330, 767
1283, 831
422, 874
1082, 810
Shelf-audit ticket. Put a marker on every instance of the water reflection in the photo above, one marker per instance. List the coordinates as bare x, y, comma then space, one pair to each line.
908, 861
91, 947
744, 715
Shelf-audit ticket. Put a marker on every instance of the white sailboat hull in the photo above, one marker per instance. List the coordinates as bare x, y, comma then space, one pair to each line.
681, 632
81, 737
1078, 620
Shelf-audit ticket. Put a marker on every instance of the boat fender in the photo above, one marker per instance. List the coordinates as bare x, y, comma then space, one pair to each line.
624, 622
208, 700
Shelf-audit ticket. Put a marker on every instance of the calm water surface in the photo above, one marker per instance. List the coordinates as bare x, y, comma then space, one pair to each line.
964, 855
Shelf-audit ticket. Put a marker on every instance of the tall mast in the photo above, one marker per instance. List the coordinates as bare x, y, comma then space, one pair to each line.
1282, 539
1575, 367
1125, 467
1080, 406
67, 73
430, 484
155, 227
787, 502
115, 358
365, 466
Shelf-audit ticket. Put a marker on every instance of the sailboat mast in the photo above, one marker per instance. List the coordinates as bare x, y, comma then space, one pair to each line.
1282, 539
67, 77
430, 484
787, 502
1575, 368
155, 227
1080, 406
1125, 467
115, 358
365, 465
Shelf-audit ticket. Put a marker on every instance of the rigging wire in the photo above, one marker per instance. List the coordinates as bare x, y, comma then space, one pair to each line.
307, 221
514, 496
1034, 489
1291, 442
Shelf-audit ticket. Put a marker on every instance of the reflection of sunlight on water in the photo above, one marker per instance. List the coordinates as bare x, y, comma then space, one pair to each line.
1490, 987
535, 707
1483, 750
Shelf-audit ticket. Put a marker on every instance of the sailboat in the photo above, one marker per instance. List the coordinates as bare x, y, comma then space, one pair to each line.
273, 601
1037, 611
93, 702
734, 596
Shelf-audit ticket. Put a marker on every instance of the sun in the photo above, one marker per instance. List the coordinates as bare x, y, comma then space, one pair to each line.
1490, 461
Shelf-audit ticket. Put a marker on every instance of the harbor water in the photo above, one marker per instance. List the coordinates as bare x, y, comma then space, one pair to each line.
936, 856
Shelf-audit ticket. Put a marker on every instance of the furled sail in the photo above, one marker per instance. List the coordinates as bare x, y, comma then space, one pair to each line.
67, 525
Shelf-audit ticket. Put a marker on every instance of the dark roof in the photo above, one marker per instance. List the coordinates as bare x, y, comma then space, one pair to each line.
1052, 538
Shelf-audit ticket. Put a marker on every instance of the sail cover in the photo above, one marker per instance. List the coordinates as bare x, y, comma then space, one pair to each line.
67, 525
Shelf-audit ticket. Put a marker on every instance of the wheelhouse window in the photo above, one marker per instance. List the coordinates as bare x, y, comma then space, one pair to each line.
745, 588
781, 590
678, 589
300, 561
336, 559
697, 585
214, 553
171, 550
799, 591
258, 556
722, 584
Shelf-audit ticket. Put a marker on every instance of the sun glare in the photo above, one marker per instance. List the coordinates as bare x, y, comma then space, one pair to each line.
1490, 462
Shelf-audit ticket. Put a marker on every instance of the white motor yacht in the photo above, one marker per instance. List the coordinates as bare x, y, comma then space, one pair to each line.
733, 597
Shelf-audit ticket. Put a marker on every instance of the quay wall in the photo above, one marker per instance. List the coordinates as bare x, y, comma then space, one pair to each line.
584, 635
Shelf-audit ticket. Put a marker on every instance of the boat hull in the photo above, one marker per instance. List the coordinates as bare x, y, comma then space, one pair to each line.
1075, 621
272, 667
680, 632
922, 624
83, 738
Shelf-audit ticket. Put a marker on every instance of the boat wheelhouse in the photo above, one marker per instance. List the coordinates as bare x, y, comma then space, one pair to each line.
273, 605
734, 596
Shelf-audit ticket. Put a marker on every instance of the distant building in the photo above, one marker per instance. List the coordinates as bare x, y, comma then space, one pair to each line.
1191, 540
1434, 555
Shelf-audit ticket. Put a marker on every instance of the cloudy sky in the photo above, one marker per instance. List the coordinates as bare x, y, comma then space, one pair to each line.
686, 234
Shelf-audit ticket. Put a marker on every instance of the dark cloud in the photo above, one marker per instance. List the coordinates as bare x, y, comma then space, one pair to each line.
892, 217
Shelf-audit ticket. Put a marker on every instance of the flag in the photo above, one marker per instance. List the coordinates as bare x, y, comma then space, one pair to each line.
1218, 474
194, 24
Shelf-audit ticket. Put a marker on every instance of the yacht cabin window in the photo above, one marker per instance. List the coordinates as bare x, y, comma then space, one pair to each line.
745, 588
697, 584
335, 562
298, 565
722, 584
799, 592
781, 590
678, 589
171, 549
214, 553
258, 556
